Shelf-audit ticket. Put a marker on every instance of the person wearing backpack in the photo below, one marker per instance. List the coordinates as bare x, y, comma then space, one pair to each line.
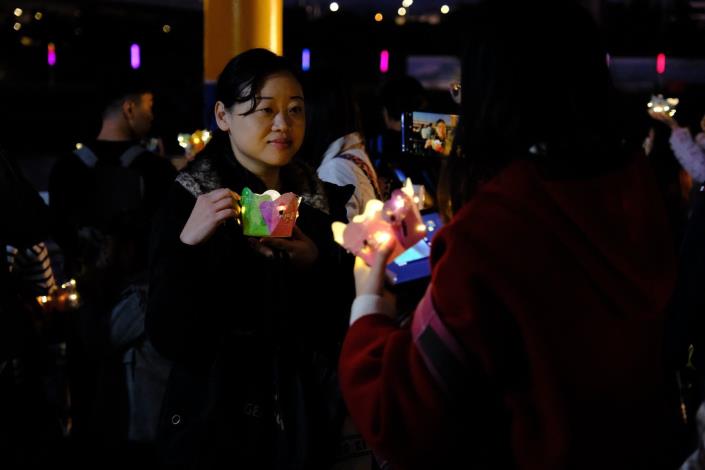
102, 199
539, 343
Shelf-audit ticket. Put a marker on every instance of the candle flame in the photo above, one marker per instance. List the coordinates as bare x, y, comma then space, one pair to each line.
382, 238
408, 188
338, 229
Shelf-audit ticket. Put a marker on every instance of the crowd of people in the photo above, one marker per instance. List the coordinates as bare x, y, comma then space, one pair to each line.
561, 327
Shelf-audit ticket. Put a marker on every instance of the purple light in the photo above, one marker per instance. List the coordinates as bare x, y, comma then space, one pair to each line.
51, 54
135, 56
384, 61
306, 60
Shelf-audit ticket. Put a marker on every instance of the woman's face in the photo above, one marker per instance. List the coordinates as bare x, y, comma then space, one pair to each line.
441, 130
270, 136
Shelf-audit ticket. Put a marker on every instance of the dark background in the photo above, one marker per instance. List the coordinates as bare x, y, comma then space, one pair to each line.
45, 110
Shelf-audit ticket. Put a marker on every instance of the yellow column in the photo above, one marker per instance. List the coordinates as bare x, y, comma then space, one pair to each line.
233, 26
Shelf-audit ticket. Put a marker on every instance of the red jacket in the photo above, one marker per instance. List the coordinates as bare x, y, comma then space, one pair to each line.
556, 291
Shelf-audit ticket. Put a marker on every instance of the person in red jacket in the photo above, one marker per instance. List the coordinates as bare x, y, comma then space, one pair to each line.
538, 344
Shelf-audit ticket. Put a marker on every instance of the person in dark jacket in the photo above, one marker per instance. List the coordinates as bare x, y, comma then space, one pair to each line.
538, 344
103, 197
253, 325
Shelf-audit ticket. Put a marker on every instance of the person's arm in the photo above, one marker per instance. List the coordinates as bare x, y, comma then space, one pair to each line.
396, 401
184, 316
700, 139
690, 155
687, 151
33, 266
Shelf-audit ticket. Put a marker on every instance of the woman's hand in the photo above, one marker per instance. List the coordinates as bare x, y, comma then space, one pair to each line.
210, 211
370, 279
300, 249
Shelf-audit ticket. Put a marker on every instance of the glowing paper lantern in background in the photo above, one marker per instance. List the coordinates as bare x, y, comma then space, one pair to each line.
135, 56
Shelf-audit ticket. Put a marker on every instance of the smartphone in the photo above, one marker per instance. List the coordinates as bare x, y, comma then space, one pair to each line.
428, 134
414, 263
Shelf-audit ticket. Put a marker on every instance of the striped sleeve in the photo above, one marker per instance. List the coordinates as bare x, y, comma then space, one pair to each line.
33, 267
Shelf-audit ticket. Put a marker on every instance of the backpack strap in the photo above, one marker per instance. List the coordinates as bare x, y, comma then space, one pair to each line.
87, 156
128, 157
369, 172
441, 352
130, 154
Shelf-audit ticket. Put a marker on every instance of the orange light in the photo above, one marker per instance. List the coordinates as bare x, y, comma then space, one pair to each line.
382, 238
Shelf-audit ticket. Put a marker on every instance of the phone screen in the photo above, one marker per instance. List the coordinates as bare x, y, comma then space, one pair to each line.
428, 134
414, 263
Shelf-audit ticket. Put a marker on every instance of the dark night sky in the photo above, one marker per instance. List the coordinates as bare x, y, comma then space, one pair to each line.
93, 38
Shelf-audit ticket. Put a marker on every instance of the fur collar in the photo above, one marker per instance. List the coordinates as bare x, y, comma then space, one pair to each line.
205, 174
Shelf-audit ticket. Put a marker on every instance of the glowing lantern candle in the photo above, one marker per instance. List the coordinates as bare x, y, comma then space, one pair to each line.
403, 214
268, 214
398, 219
367, 233
659, 104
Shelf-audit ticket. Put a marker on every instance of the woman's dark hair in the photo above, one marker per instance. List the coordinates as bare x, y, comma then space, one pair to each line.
534, 74
331, 113
245, 74
240, 81
117, 89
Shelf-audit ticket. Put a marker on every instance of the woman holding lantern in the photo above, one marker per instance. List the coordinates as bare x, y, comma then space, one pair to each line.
247, 320
538, 342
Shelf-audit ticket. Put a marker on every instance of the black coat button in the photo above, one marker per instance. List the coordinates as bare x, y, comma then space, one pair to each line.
175, 420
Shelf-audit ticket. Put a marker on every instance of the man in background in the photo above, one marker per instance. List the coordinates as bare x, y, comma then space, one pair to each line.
102, 199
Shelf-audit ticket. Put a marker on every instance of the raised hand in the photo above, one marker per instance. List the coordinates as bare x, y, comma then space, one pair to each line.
370, 279
210, 211
665, 118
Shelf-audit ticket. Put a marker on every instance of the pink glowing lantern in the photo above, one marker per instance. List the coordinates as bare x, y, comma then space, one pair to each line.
398, 221
367, 233
402, 213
